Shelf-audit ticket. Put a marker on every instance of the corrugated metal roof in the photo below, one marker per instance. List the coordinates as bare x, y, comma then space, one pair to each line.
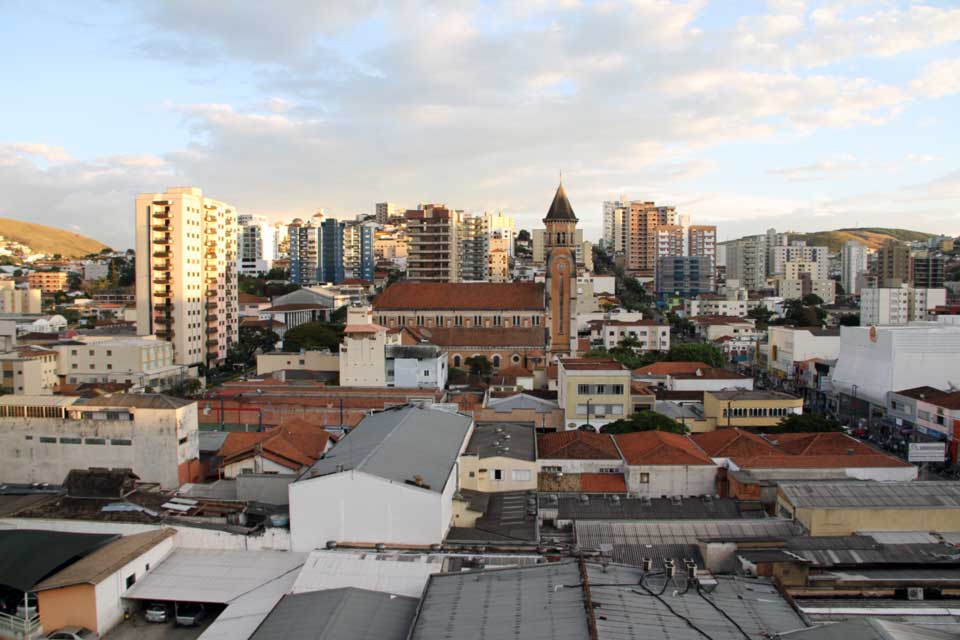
396, 573
213, 575
245, 613
503, 439
522, 603
887, 495
339, 614
869, 629
608, 508
592, 533
398, 444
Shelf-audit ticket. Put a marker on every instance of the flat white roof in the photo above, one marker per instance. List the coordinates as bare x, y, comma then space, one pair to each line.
213, 576
398, 574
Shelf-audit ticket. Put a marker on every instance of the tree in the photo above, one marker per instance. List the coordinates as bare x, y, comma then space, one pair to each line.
313, 336
74, 281
523, 235
187, 388
812, 300
807, 423
278, 273
251, 340
479, 365
711, 354
801, 315
643, 421
760, 314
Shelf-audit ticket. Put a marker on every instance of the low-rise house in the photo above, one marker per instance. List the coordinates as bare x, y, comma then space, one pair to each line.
712, 328
29, 370
750, 409
787, 347
658, 373
592, 391
665, 464
287, 449
500, 456
934, 415
251, 305
391, 479
43, 437
539, 408
139, 361
311, 360
89, 592
709, 379
648, 334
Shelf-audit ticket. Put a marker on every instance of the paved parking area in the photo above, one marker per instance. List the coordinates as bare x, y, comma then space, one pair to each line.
137, 628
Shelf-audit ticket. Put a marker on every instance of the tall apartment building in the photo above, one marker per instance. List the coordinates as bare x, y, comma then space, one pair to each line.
48, 281
387, 210
474, 249
498, 264
702, 242
433, 251
746, 261
898, 305
256, 244
686, 276
799, 279
893, 264
643, 244
13, 300
503, 224
615, 216
927, 270
304, 252
774, 240
798, 251
669, 241
331, 255
187, 273
358, 252
853, 262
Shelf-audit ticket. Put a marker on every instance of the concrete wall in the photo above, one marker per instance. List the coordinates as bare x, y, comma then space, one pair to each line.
707, 384
76, 604
110, 591
357, 507
306, 361
255, 464
671, 480
483, 474
581, 466
842, 522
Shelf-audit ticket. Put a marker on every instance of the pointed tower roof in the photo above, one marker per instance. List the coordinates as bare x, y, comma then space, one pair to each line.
560, 208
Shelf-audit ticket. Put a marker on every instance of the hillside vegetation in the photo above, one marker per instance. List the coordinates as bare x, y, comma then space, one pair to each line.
49, 240
873, 237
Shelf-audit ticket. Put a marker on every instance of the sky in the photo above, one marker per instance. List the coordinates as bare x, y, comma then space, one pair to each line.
747, 114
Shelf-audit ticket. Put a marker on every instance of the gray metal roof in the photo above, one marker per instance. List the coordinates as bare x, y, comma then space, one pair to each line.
934, 613
608, 508
402, 574
592, 533
339, 614
399, 444
834, 551
503, 439
869, 629
886, 495
522, 401
549, 601
521, 603
506, 518
211, 441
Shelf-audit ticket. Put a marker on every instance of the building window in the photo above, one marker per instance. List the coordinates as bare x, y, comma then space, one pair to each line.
515, 358
521, 475
47, 440
496, 361
131, 579
458, 321
122, 442
497, 321
69, 440
645, 478
94, 441
456, 360
472, 474
536, 321
552, 469
478, 321
426, 373
498, 474
609, 470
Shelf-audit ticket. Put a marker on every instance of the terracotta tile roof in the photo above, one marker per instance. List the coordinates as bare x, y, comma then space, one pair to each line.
516, 370
280, 308
363, 328
711, 373
576, 445
583, 344
533, 337
294, 444
837, 461
638, 388
719, 320
670, 368
415, 295
603, 483
645, 322
945, 399
660, 448
249, 298
727, 443
591, 364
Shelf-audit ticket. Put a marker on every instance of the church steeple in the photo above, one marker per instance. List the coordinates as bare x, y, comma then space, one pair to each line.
560, 209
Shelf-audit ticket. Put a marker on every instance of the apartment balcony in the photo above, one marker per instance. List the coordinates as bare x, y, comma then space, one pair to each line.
165, 334
163, 308
210, 293
211, 280
164, 279
161, 240
213, 343
161, 266
161, 215
209, 218
210, 243
160, 320
212, 318
212, 331
160, 227
211, 306
163, 294
210, 255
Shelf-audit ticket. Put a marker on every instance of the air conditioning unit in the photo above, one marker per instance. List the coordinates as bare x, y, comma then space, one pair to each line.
915, 593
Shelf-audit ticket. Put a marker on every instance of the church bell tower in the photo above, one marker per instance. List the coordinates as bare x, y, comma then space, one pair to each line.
560, 247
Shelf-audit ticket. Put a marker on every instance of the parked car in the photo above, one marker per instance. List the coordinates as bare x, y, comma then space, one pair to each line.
157, 612
189, 614
27, 609
74, 633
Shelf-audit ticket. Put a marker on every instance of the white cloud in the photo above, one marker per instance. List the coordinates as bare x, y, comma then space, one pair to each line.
938, 79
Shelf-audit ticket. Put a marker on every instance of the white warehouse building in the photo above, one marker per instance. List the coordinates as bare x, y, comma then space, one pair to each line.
390, 480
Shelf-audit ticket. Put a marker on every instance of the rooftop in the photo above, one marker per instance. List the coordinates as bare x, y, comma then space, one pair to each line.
560, 208
480, 337
710, 373
503, 439
747, 394
137, 401
418, 295
613, 508
945, 399
660, 448
108, 559
506, 518
872, 495
670, 368
399, 444
591, 364
339, 614
28, 556
576, 445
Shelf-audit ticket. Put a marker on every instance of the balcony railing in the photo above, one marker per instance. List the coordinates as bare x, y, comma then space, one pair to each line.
165, 334
212, 331
163, 308
162, 294
161, 266
161, 215
164, 279
213, 343
161, 227
20, 628
161, 254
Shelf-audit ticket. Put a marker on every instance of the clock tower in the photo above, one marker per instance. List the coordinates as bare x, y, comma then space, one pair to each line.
560, 247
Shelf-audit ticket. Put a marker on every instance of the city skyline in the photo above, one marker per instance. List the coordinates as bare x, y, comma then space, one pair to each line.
785, 114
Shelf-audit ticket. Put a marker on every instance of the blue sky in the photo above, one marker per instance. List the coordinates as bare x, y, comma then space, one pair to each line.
788, 113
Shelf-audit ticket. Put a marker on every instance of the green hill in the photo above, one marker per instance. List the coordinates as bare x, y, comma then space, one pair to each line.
49, 240
873, 237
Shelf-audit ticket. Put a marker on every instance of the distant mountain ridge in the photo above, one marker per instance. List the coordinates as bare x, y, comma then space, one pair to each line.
873, 237
49, 240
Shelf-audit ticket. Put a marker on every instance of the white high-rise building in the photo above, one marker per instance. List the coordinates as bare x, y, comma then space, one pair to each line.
799, 252
503, 225
616, 214
256, 244
898, 305
187, 273
746, 261
853, 262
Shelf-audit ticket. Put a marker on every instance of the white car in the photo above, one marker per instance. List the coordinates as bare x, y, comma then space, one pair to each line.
74, 633
157, 612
